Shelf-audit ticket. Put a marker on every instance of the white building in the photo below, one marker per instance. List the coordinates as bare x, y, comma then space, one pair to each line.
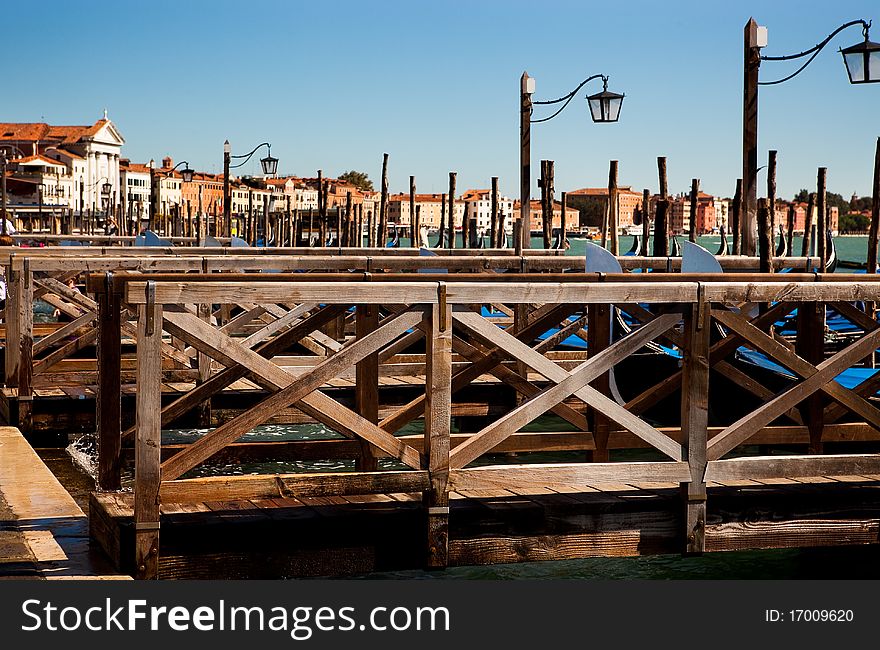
479, 205
135, 181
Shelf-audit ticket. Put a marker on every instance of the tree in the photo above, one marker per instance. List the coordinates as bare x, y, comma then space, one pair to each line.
359, 179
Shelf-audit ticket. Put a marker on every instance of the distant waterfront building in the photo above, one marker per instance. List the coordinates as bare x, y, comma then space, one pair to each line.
479, 204
536, 219
591, 204
90, 154
135, 181
429, 206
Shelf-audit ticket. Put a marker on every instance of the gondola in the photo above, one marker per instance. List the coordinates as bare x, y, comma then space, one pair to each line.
722, 247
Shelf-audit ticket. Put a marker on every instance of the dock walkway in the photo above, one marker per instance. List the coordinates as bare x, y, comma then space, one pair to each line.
44, 534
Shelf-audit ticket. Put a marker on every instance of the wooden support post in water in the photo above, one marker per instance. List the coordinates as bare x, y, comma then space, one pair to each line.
13, 325
765, 238
266, 232
613, 218
695, 191
451, 210
598, 339
383, 204
438, 423
821, 223
109, 387
661, 232
789, 230
808, 226
694, 422
735, 216
875, 214
562, 224
148, 440
441, 231
546, 185
413, 222
771, 192
661, 173
646, 222
493, 227
367, 383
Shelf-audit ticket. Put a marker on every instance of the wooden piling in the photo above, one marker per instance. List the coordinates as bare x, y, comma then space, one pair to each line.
808, 225
493, 227
383, 203
413, 221
563, 224
771, 190
765, 238
789, 231
821, 223
735, 216
661, 232
692, 229
612, 216
875, 214
451, 202
646, 222
598, 339
109, 386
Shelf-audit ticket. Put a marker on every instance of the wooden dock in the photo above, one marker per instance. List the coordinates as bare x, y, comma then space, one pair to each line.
368, 345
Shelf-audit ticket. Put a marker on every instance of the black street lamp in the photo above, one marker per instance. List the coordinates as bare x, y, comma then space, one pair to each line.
604, 107
269, 165
862, 63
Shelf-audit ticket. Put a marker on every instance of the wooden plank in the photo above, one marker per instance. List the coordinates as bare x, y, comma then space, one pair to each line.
792, 291
772, 467
438, 426
576, 380
575, 292
294, 391
173, 293
148, 442
301, 486
563, 475
750, 424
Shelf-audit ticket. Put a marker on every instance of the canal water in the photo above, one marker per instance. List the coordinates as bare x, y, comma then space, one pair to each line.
855, 562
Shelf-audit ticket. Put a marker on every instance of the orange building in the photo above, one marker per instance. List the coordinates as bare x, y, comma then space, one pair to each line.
592, 204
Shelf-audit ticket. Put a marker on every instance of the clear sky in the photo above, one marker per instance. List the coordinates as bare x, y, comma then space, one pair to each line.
333, 85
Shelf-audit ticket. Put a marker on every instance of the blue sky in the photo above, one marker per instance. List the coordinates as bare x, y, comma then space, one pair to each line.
334, 85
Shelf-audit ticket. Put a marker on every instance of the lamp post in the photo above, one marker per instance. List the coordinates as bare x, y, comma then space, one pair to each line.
269, 165
604, 107
862, 63
3, 162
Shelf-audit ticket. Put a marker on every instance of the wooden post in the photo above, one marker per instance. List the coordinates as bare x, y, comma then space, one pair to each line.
413, 240
546, 183
789, 227
808, 225
694, 422
821, 223
451, 210
661, 172
526, 87
751, 63
438, 423
809, 344
765, 239
266, 220
611, 221
464, 226
383, 203
771, 192
695, 191
26, 350
13, 324
661, 232
562, 223
875, 214
201, 221
441, 231
148, 440
646, 222
367, 383
598, 339
371, 229
348, 239
493, 228
735, 215
517, 237
109, 386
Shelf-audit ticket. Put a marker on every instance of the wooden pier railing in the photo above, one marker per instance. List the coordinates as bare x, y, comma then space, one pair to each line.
706, 322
